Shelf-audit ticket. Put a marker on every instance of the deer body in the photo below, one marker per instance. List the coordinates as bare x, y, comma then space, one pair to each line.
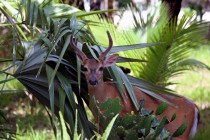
186, 110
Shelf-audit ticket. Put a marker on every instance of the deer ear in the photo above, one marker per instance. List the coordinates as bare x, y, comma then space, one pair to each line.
112, 59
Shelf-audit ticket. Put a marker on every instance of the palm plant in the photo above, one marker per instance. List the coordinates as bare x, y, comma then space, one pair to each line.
170, 57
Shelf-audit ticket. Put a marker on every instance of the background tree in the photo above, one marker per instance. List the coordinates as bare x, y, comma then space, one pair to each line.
173, 8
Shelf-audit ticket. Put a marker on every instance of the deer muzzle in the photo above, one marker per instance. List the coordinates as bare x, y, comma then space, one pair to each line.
93, 80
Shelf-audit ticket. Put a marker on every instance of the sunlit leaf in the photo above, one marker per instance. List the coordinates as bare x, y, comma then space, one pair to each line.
109, 127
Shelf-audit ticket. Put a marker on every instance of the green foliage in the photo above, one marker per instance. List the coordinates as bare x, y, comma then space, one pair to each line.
160, 127
200, 94
193, 84
31, 134
39, 78
131, 126
64, 133
180, 130
63, 73
11, 86
171, 57
108, 128
202, 134
111, 106
48, 68
173, 117
24, 121
161, 108
65, 136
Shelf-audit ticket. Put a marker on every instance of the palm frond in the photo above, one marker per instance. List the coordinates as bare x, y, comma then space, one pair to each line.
26, 74
165, 60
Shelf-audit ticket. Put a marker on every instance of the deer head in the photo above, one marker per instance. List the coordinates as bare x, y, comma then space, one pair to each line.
93, 68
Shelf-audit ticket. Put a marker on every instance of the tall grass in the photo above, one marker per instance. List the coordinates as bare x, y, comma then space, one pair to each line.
31, 134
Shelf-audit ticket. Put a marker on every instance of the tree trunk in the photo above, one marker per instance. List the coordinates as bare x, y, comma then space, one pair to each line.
174, 7
109, 4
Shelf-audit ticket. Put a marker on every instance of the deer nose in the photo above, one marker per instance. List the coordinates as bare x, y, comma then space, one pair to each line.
93, 82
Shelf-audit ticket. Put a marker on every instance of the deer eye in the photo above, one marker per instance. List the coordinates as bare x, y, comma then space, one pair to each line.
84, 69
101, 68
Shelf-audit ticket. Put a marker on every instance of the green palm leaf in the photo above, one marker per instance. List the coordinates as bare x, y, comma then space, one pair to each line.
166, 60
26, 74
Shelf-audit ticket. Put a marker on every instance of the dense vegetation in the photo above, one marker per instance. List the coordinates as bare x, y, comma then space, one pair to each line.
39, 56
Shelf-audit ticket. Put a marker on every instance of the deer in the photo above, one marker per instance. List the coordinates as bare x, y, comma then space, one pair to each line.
185, 110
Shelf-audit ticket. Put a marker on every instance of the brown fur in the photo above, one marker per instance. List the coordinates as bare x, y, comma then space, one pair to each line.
184, 109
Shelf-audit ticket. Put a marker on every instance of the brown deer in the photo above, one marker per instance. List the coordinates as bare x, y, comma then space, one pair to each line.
185, 109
